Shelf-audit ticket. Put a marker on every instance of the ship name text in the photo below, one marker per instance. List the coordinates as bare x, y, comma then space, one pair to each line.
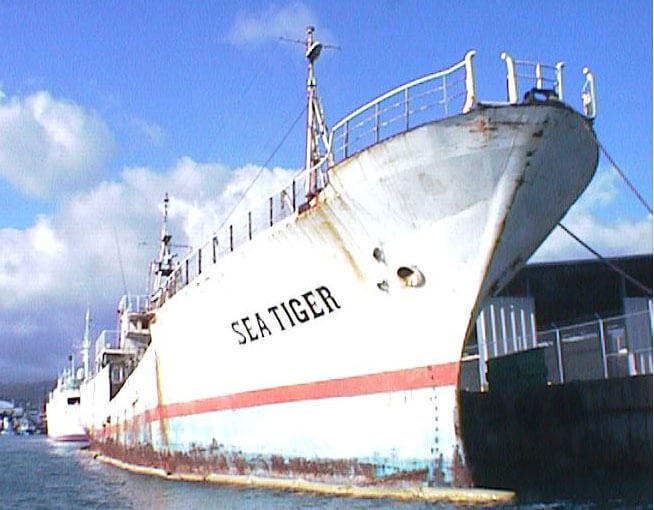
285, 315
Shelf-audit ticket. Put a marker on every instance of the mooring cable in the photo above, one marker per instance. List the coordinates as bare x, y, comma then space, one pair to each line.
615, 166
262, 168
627, 276
617, 169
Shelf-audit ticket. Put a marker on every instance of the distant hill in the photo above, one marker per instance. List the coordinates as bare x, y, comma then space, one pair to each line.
23, 393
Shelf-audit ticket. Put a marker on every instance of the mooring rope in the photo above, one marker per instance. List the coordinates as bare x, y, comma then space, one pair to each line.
627, 276
617, 169
610, 264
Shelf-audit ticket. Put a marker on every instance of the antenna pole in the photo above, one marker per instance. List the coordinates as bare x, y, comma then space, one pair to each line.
86, 346
163, 266
312, 52
316, 125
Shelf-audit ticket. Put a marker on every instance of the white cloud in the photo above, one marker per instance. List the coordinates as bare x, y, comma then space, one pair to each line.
289, 20
29, 261
48, 145
151, 131
612, 237
51, 270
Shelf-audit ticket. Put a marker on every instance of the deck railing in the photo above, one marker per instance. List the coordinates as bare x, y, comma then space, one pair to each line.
261, 217
429, 98
134, 303
536, 75
107, 339
588, 100
602, 348
605, 348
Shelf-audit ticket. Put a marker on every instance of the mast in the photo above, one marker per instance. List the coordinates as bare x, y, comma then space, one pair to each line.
163, 266
86, 346
316, 126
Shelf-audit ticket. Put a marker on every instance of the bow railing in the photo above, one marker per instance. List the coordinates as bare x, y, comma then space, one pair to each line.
431, 97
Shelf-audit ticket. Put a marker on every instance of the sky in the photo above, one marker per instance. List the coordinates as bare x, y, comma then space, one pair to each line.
106, 106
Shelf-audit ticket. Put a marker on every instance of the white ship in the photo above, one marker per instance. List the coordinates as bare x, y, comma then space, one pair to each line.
319, 337
63, 408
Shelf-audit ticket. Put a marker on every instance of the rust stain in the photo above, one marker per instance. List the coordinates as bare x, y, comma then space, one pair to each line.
327, 223
215, 459
482, 125
317, 204
486, 126
403, 492
460, 472
163, 422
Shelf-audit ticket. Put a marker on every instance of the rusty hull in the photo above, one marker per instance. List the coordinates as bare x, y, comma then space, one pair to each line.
216, 460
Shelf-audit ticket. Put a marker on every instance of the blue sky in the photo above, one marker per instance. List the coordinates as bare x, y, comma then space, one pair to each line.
104, 106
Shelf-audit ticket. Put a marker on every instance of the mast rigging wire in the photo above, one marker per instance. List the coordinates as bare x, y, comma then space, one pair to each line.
624, 177
615, 166
120, 262
262, 168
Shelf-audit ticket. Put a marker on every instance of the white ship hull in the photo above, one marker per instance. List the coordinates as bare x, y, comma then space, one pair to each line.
301, 354
63, 415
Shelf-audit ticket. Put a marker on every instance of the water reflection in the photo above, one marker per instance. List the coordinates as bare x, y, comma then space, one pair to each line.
38, 474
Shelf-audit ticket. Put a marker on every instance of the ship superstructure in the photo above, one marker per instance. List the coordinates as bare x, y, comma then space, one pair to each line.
63, 408
320, 335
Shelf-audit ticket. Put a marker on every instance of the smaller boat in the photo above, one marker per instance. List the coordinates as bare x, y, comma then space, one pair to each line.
63, 417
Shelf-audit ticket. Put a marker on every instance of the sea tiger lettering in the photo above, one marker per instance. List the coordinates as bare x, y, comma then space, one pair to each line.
311, 305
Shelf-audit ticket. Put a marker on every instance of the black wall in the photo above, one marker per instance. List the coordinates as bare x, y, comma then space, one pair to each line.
575, 291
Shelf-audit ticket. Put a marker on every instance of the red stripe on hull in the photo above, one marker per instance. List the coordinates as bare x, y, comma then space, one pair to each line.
400, 380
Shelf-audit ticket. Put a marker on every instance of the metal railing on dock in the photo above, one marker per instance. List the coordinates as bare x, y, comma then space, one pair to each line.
600, 348
604, 348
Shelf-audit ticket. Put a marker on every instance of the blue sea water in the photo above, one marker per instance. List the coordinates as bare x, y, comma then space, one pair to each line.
36, 473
